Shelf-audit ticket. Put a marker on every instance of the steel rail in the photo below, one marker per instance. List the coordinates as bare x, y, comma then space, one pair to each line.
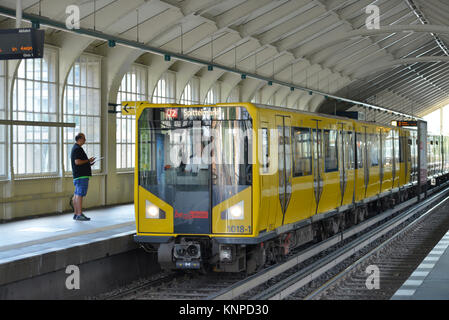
298, 280
255, 280
371, 253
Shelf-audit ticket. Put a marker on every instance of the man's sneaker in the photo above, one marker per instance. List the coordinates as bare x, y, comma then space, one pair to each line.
80, 217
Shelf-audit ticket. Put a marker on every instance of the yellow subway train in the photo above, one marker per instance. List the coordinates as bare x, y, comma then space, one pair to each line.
233, 187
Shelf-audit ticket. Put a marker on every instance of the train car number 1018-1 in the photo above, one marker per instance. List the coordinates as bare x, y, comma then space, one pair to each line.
239, 229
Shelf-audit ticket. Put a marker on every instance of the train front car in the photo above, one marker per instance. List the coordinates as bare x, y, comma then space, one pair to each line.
193, 178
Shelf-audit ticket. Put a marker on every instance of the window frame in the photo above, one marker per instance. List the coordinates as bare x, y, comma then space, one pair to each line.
14, 141
194, 84
131, 119
67, 144
170, 87
4, 128
327, 146
303, 173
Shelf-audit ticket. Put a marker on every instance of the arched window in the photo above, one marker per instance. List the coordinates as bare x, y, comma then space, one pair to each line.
191, 94
3, 155
35, 99
133, 88
234, 96
165, 89
82, 105
213, 95
256, 97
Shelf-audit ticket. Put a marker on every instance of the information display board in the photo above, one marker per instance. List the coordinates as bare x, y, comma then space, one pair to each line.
23, 43
407, 123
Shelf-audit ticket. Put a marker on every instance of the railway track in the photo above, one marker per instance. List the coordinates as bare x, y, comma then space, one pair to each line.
395, 259
175, 286
296, 278
314, 272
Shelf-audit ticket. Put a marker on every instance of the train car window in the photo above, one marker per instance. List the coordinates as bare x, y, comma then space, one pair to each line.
265, 150
388, 149
397, 149
302, 152
360, 143
374, 149
349, 150
330, 151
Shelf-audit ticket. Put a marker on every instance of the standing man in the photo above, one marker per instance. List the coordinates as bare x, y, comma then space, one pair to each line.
81, 174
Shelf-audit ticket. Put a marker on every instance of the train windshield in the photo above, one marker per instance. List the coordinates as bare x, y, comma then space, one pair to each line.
195, 158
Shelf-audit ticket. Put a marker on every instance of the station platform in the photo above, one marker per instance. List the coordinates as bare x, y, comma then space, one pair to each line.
42, 247
430, 280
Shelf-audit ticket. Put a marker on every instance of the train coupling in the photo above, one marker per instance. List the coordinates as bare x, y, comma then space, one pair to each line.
187, 255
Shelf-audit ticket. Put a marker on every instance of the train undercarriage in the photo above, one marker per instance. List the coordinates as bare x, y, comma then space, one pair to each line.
205, 254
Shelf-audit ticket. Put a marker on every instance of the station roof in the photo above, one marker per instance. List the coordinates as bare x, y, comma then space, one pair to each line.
325, 45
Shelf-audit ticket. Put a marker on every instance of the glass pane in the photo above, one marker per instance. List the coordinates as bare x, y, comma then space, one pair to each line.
83, 101
76, 103
83, 75
21, 71
21, 159
97, 129
52, 98
37, 155
37, 69
2, 158
76, 73
118, 156
44, 102
53, 163
29, 158
37, 97
29, 69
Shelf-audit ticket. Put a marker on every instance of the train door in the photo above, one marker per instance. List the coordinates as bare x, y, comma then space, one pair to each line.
396, 159
347, 164
414, 155
361, 175
267, 211
318, 165
331, 195
284, 164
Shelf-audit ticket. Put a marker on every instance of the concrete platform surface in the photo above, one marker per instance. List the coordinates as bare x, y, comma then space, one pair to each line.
25, 233
34, 247
430, 280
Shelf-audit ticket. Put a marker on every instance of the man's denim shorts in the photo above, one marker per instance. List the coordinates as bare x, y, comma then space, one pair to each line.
81, 186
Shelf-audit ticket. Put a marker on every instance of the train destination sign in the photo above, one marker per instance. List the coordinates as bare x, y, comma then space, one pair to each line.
23, 43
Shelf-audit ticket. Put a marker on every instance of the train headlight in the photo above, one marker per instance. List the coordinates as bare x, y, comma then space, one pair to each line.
153, 212
236, 212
